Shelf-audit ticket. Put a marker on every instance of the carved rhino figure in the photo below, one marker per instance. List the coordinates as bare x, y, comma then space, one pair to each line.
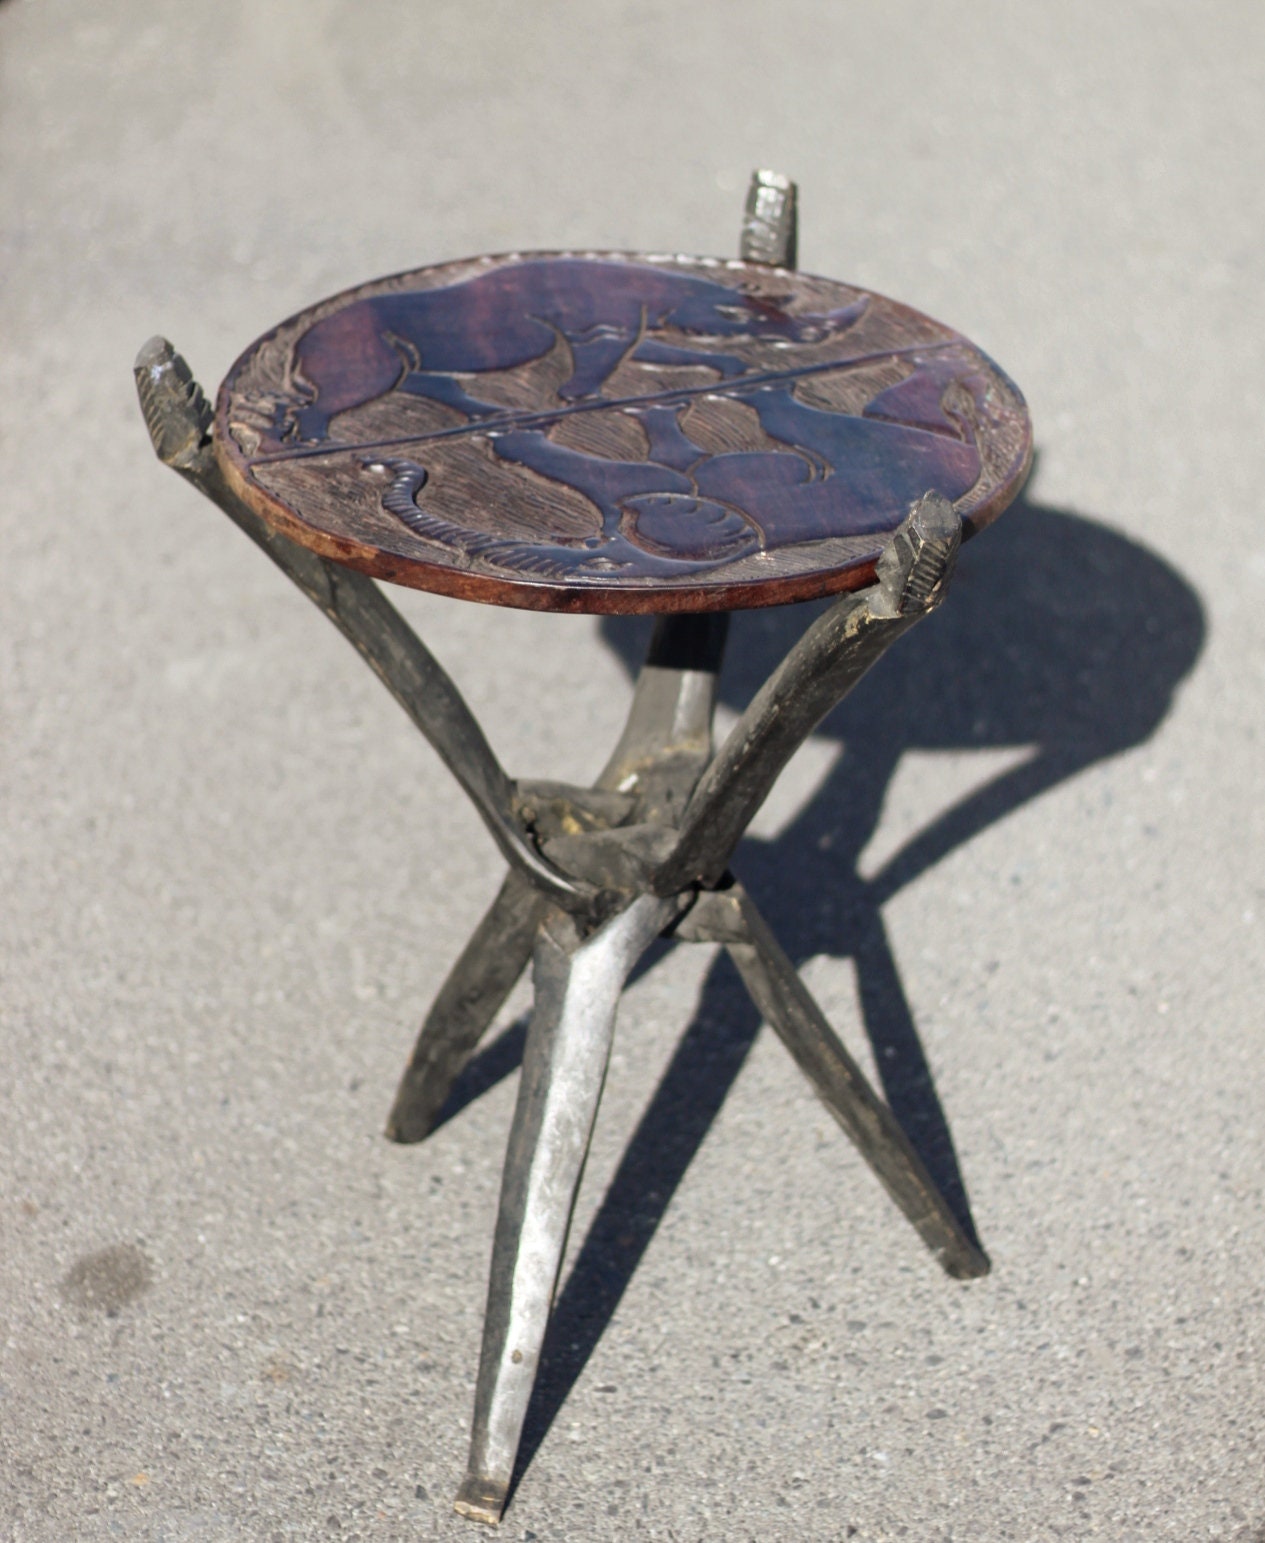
416, 340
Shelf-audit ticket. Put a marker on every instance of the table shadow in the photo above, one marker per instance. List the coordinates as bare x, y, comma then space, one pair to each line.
1060, 636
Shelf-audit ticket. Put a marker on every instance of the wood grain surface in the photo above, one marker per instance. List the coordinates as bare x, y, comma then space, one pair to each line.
611, 433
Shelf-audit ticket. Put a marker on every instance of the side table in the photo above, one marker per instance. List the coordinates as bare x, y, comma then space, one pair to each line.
611, 433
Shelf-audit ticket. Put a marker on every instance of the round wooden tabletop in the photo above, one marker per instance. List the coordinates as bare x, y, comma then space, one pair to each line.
610, 432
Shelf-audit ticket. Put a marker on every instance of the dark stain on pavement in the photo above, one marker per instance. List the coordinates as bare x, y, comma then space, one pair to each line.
107, 1281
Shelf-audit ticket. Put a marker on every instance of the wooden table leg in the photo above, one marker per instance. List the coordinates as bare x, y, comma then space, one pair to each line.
578, 982
489, 968
730, 916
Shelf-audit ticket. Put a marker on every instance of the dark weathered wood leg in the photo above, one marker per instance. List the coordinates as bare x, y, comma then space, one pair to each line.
667, 740
664, 746
178, 419
489, 968
816, 674
578, 981
730, 916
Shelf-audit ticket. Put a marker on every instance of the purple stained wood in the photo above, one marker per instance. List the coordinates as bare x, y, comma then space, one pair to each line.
603, 432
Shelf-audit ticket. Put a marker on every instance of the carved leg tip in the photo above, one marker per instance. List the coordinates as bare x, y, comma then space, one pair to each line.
762, 176
177, 414
153, 354
769, 223
914, 570
935, 518
482, 1500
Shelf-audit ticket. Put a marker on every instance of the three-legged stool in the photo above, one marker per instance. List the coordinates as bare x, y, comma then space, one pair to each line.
590, 432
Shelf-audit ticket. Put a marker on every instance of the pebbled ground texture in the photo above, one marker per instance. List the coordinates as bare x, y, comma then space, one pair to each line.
1022, 867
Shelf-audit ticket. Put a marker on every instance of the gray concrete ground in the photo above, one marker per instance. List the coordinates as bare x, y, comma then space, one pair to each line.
233, 875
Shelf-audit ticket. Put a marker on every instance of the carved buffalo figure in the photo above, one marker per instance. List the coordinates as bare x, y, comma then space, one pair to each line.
417, 340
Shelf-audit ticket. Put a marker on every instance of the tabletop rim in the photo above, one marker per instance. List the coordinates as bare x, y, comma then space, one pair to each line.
698, 593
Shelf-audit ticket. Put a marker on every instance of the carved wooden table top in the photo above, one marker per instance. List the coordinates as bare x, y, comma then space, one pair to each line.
609, 432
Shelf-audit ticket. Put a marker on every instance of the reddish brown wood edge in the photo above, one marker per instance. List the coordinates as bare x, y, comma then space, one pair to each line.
589, 599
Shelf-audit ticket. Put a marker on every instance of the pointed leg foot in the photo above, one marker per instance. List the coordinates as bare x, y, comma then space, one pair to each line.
578, 980
482, 1500
730, 917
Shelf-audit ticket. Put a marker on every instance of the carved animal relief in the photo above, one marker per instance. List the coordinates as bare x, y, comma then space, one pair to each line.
629, 426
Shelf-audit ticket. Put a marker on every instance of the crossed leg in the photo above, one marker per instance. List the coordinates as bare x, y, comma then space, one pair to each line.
579, 974
578, 980
486, 972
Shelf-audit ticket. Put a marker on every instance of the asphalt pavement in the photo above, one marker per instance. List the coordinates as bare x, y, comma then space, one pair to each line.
1021, 867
